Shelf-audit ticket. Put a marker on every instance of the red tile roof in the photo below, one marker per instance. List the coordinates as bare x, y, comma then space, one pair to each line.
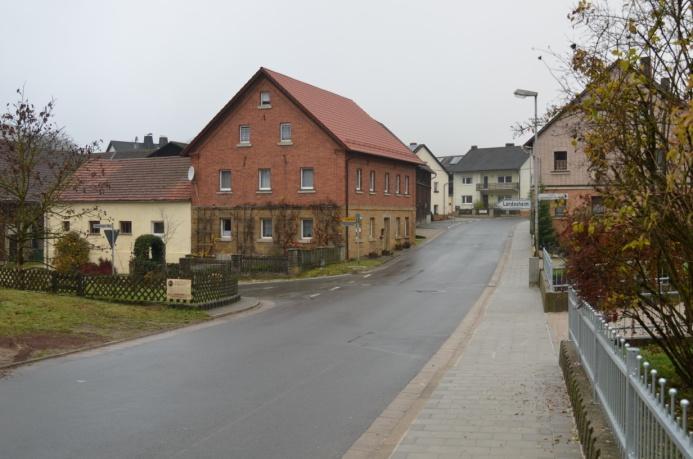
345, 120
145, 179
342, 118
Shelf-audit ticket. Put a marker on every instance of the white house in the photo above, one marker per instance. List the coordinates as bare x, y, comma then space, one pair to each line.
488, 176
441, 203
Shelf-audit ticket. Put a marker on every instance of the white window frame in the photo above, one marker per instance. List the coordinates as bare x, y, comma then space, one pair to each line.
283, 139
386, 183
359, 179
406, 227
371, 182
398, 184
303, 186
464, 201
240, 134
269, 179
312, 229
406, 184
265, 103
398, 224
154, 222
371, 228
466, 180
435, 187
221, 180
223, 234
262, 228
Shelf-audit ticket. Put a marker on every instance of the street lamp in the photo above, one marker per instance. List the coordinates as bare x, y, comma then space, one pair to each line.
523, 93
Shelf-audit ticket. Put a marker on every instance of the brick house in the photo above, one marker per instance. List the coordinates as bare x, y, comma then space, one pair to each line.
283, 161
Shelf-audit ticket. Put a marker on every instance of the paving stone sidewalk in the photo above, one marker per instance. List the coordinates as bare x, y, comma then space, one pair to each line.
505, 397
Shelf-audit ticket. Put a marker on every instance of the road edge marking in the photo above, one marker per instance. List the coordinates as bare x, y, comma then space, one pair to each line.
386, 432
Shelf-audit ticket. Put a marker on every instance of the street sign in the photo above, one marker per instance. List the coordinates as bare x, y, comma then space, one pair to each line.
552, 196
515, 204
111, 236
348, 221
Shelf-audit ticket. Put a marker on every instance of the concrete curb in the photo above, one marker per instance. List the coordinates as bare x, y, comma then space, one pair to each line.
14, 365
243, 305
388, 429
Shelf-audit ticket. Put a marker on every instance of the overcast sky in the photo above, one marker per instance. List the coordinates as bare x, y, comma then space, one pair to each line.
435, 72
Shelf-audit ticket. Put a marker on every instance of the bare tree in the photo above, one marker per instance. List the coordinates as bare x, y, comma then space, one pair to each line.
37, 164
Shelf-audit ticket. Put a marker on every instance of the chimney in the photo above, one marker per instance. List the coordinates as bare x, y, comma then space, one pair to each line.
646, 65
413, 145
509, 144
474, 147
149, 141
664, 83
163, 140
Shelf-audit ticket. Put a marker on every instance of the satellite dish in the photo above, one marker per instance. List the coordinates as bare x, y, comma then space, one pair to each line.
191, 173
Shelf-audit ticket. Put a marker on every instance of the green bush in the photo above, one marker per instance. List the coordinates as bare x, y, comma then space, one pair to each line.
71, 253
144, 243
143, 264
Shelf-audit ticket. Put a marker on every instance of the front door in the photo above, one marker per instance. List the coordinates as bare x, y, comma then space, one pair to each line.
386, 236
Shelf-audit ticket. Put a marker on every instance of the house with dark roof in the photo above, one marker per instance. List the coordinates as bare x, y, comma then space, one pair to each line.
119, 149
139, 196
483, 177
284, 161
440, 201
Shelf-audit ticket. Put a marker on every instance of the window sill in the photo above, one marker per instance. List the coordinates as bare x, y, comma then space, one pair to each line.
263, 192
225, 239
561, 172
305, 240
371, 193
225, 192
359, 192
244, 145
264, 107
266, 240
125, 234
307, 191
285, 143
386, 193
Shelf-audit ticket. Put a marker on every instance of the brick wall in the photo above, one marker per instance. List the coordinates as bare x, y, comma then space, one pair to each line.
312, 147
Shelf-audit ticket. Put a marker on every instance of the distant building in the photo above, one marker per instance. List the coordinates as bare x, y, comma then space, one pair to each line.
423, 194
440, 201
121, 149
487, 176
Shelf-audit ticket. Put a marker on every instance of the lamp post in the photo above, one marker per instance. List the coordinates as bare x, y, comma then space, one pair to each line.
523, 93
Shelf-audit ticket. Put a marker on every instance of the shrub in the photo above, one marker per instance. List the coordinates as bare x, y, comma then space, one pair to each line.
142, 264
386, 252
146, 244
71, 253
373, 255
103, 268
406, 244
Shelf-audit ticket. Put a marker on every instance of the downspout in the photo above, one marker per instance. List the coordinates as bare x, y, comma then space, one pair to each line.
347, 158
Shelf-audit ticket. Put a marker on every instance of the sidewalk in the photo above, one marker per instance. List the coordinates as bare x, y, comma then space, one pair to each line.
505, 397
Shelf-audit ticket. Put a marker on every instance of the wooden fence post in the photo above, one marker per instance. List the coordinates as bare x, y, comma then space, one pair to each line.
80, 284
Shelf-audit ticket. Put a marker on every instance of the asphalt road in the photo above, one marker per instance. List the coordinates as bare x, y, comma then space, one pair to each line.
303, 378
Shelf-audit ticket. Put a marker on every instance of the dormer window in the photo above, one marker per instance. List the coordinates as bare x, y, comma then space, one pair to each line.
265, 99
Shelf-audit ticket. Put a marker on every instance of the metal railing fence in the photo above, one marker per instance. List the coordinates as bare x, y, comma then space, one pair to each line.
556, 278
641, 412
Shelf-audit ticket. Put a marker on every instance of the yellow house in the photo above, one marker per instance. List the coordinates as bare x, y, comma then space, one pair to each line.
136, 197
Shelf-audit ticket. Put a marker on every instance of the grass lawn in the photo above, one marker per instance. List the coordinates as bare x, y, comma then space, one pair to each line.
345, 267
665, 369
37, 324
